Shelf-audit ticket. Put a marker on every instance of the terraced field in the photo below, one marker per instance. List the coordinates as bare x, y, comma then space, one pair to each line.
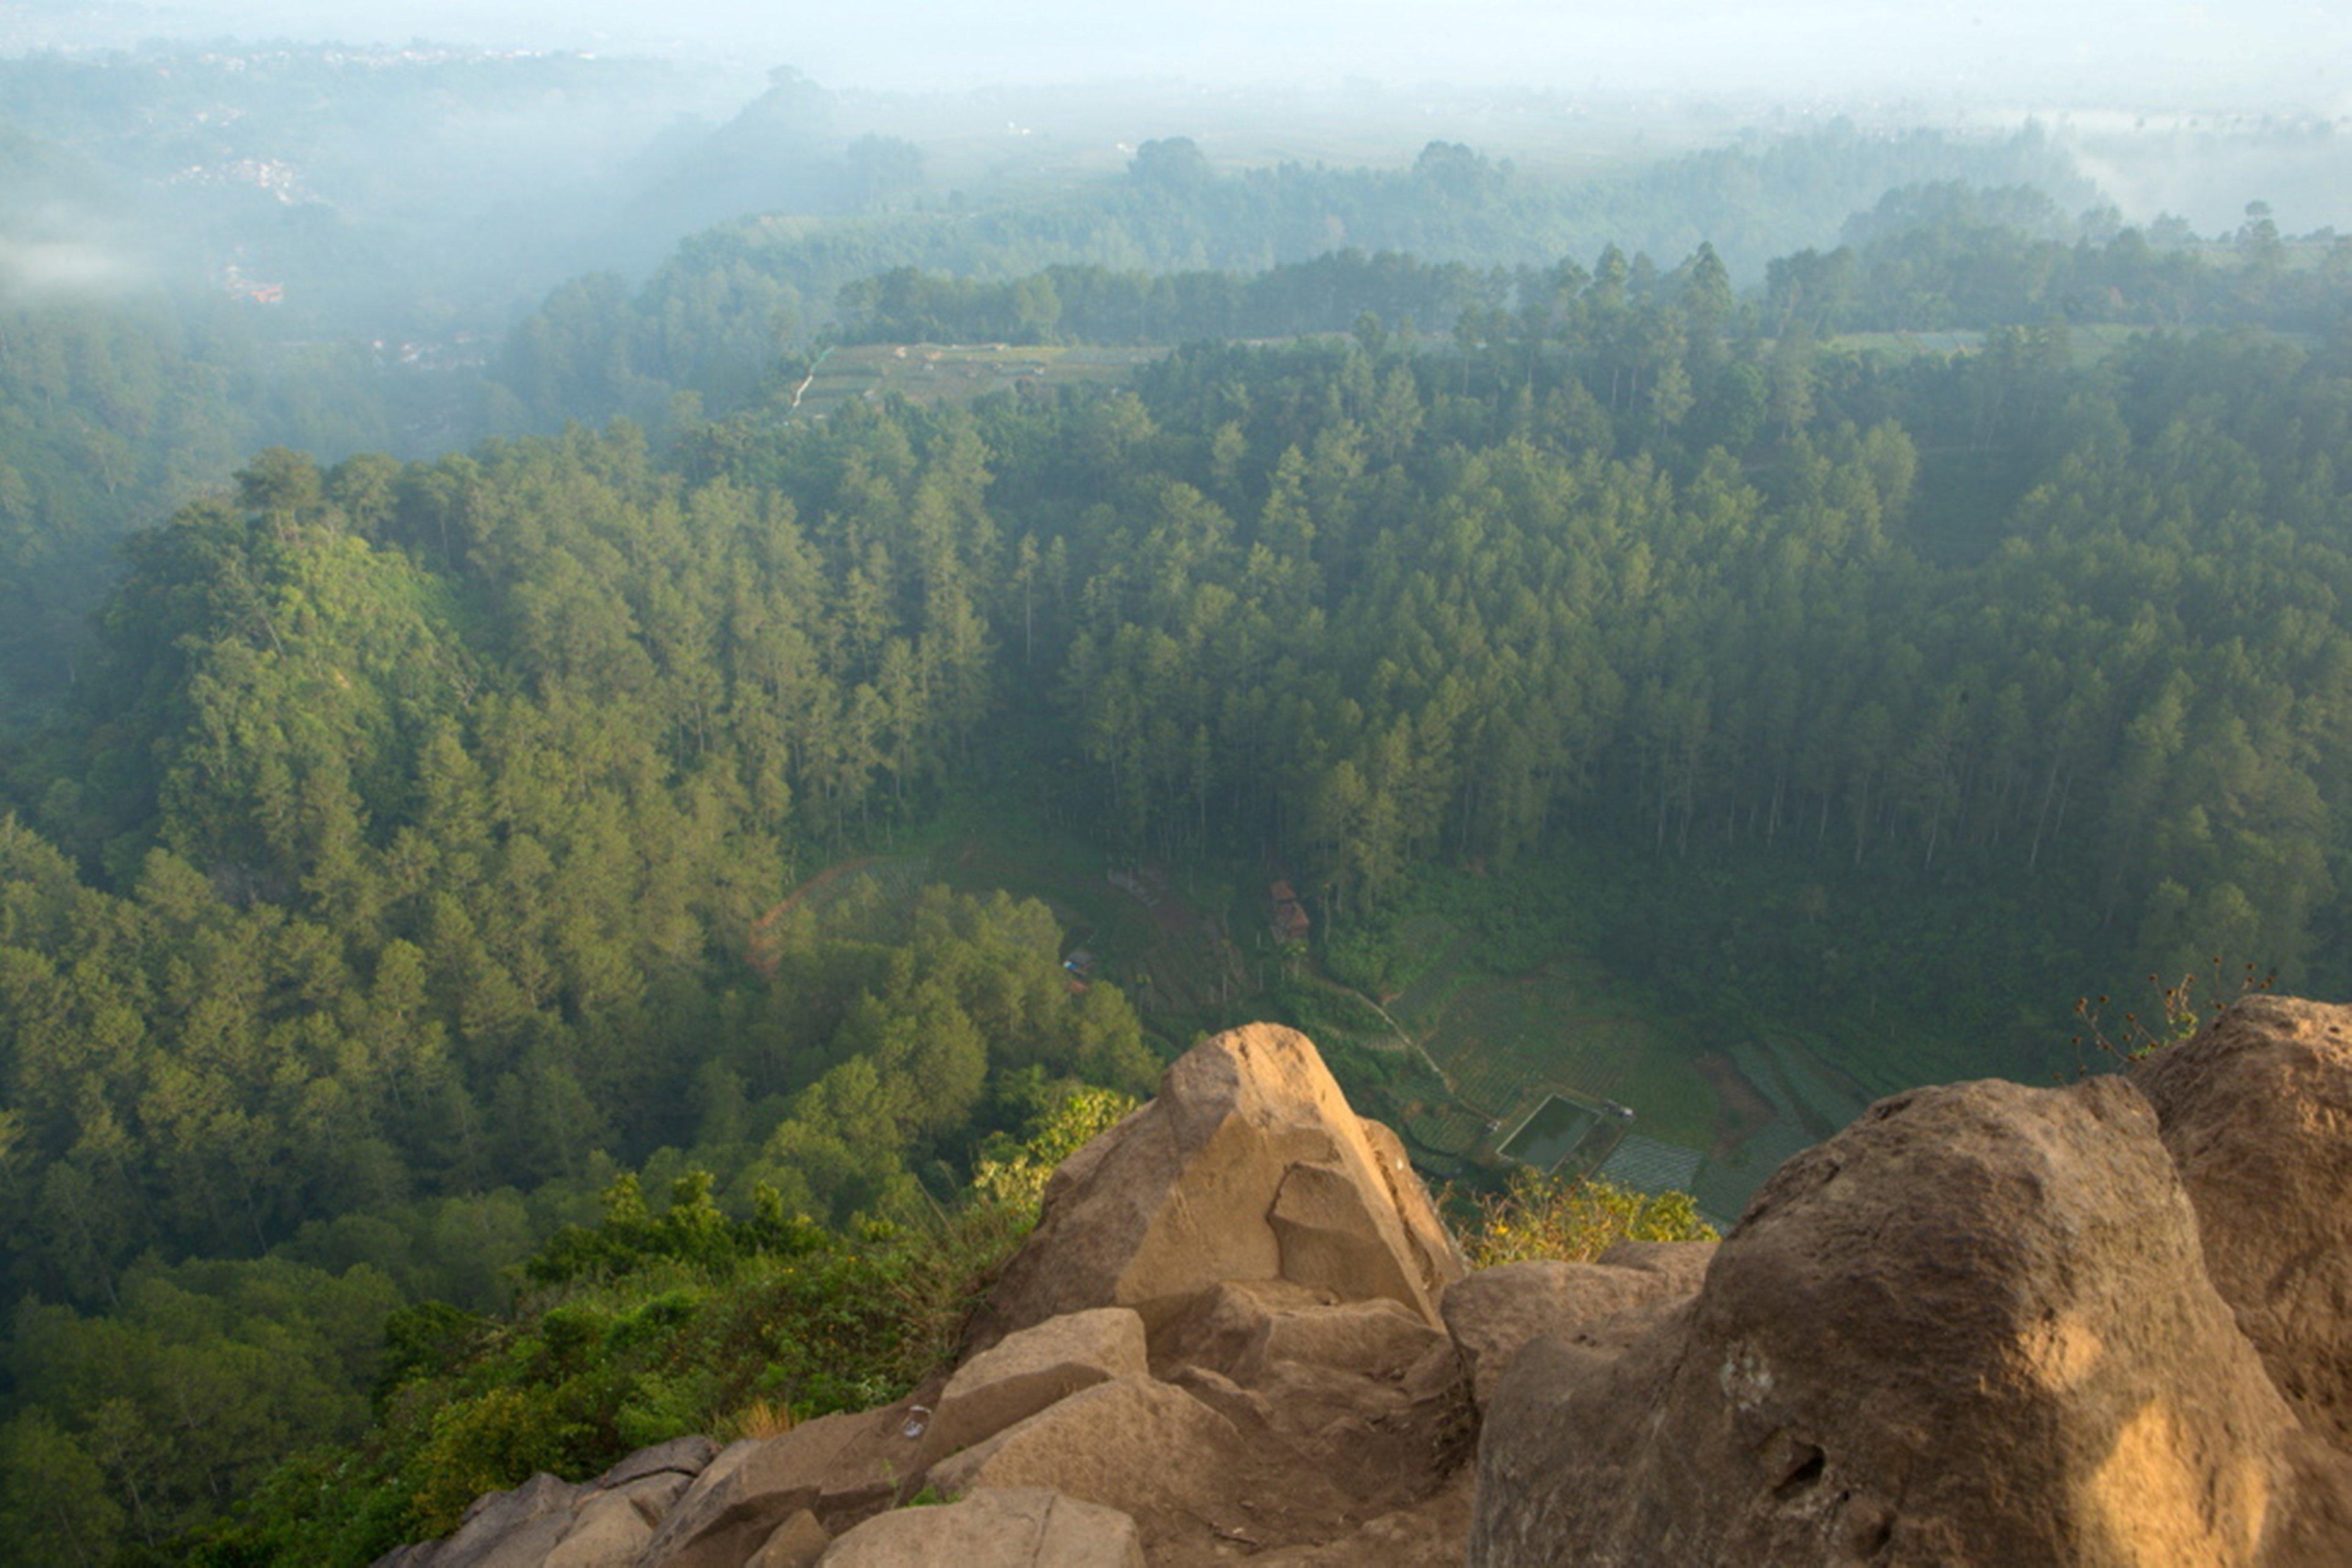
1504, 1041
2087, 344
1715, 1107
956, 373
1712, 1113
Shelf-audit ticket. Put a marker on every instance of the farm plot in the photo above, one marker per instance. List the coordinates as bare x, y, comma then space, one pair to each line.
958, 373
1566, 1027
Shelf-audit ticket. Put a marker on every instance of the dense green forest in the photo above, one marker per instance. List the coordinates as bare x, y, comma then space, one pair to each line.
397, 873
709, 319
113, 412
1928, 258
130, 381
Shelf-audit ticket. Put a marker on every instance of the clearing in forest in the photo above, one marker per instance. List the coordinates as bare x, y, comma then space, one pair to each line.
958, 373
1545, 1063
1540, 1065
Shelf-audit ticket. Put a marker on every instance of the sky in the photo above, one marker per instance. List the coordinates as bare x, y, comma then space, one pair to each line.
2286, 56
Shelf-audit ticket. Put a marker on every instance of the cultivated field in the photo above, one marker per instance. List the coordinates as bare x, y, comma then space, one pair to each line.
941, 372
1484, 1067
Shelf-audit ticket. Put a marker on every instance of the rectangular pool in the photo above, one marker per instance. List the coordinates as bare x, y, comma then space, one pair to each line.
1551, 1134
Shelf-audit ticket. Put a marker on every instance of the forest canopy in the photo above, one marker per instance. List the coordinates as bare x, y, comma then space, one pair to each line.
425, 857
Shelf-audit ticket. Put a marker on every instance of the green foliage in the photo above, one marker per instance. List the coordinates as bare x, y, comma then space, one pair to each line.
486, 1444
1945, 253
128, 1424
691, 1230
1574, 1220
1013, 1174
1122, 259
417, 857
1376, 958
1332, 1016
646, 1327
907, 1034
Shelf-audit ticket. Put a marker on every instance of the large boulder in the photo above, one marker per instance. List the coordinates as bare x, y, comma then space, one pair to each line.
1028, 1371
798, 1542
1245, 1330
680, 1458
1681, 1265
512, 1529
1379, 1339
1492, 1313
840, 1468
1009, 1527
1351, 1410
548, 1523
1137, 1445
1247, 1166
2257, 1111
1975, 1327
1423, 1534
606, 1532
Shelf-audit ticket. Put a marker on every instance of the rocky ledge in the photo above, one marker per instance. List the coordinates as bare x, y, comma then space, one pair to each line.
2104, 1323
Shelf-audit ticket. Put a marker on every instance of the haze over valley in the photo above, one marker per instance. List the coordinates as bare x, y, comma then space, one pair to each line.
649, 657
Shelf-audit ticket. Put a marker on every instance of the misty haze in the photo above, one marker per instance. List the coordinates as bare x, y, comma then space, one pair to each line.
1127, 771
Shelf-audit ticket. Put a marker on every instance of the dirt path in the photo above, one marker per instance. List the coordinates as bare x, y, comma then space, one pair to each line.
760, 948
811, 378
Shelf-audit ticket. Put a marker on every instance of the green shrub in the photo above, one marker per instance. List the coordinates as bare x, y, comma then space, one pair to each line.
499, 1439
1574, 1220
646, 1327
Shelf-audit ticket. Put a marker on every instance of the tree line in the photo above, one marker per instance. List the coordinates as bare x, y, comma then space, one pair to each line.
1928, 258
711, 319
387, 885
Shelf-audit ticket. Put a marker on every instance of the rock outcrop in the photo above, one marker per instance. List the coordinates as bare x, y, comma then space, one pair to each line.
1026, 1372
548, 1523
1145, 1448
1608, 1302
1248, 1166
1222, 1338
1975, 1327
1015, 1527
2257, 1112
840, 1469
2104, 1323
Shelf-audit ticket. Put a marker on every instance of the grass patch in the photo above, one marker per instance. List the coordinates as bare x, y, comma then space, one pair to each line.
958, 373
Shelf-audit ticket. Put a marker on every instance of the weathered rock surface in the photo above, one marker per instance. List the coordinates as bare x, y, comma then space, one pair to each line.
680, 1456
798, 1542
1972, 1328
1028, 1371
1248, 1166
1246, 1328
510, 1528
1681, 1263
1009, 1527
2109, 1323
605, 1533
1494, 1311
1350, 1411
1137, 1445
548, 1523
840, 1468
1425, 1534
2257, 1112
